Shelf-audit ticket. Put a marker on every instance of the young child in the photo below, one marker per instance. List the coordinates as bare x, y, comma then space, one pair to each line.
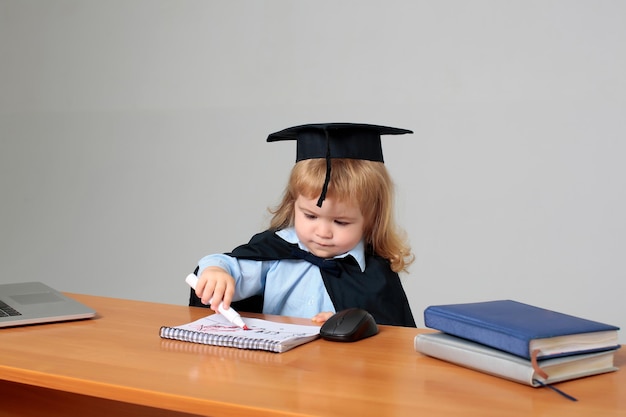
332, 243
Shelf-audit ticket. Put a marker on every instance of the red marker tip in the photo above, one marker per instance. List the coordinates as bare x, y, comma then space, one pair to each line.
246, 327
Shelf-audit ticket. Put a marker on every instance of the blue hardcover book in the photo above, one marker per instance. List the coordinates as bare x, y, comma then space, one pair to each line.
521, 329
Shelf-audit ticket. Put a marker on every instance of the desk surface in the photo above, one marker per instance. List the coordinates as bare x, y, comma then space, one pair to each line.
118, 360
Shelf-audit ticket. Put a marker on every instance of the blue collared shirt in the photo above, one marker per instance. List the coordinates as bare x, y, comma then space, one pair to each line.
291, 287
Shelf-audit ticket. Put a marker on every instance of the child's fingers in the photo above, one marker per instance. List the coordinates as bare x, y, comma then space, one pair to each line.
322, 317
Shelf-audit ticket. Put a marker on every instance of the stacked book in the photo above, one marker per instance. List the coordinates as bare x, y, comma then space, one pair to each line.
519, 342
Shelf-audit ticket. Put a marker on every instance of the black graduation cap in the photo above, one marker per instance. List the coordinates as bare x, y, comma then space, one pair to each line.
337, 140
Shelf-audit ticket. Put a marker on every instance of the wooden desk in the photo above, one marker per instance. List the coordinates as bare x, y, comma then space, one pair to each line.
116, 364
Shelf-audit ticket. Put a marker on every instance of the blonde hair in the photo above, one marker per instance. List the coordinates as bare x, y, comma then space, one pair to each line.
366, 183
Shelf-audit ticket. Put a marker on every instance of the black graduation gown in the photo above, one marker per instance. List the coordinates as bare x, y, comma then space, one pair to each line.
378, 289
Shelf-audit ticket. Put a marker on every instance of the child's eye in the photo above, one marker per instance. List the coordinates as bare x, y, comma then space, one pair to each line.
309, 216
341, 223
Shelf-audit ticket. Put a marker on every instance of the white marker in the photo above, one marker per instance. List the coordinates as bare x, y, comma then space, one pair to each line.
229, 313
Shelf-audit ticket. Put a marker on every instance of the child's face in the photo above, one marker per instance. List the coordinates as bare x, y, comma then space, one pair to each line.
330, 230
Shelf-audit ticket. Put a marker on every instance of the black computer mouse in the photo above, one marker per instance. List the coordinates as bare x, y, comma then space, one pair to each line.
349, 325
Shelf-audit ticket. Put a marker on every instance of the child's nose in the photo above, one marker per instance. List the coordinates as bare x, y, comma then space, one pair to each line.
324, 230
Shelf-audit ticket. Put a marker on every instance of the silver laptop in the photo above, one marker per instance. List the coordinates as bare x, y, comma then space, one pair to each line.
34, 303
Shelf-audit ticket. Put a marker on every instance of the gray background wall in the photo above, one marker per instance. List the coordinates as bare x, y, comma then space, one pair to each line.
133, 138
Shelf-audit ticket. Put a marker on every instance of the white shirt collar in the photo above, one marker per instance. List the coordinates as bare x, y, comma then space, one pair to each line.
358, 252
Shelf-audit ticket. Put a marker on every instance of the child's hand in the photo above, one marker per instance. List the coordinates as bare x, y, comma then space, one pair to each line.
322, 317
215, 286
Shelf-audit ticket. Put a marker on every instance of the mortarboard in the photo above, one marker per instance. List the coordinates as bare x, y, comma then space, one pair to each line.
336, 140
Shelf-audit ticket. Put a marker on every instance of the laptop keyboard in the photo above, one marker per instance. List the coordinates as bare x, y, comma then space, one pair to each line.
6, 310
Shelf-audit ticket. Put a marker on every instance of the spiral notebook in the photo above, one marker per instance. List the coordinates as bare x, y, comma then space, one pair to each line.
266, 335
